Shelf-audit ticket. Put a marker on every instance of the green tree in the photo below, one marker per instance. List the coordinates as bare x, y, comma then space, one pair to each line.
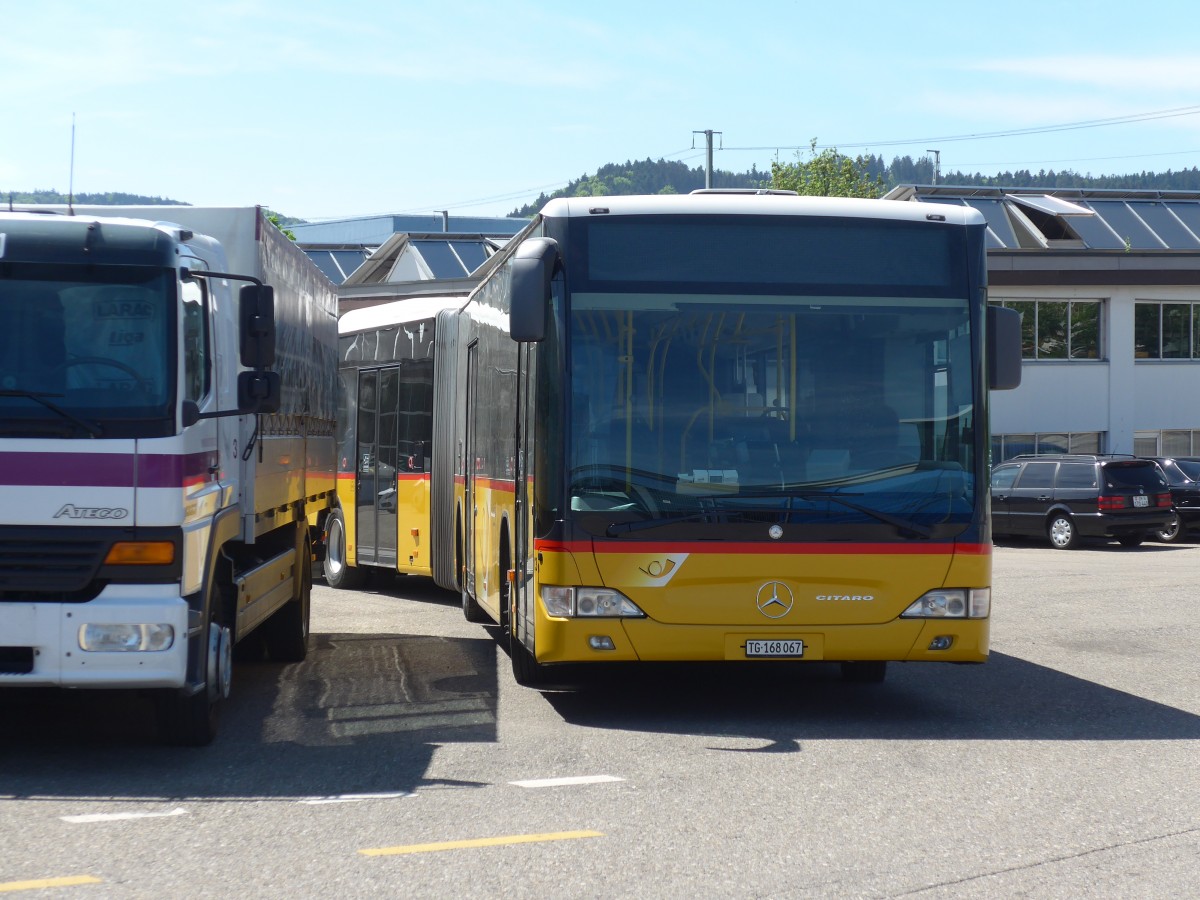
827, 174
274, 219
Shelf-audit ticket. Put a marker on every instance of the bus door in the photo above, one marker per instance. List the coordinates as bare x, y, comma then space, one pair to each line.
471, 463
378, 413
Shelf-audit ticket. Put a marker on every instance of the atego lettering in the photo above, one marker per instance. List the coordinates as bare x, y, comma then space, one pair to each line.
71, 511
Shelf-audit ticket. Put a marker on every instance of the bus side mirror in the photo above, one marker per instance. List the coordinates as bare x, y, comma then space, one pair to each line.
256, 319
1003, 348
532, 268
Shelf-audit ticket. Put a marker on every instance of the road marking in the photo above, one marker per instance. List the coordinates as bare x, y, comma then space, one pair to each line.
482, 842
120, 817
355, 798
41, 883
559, 782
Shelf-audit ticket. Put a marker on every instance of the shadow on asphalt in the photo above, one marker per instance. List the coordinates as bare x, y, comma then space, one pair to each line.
365, 712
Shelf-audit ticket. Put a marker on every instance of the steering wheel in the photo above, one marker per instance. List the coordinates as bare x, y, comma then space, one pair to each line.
104, 361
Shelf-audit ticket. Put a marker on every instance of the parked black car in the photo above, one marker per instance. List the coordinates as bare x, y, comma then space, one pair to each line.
1065, 497
1183, 475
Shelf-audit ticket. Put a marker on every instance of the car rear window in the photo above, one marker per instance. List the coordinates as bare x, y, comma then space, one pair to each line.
1133, 475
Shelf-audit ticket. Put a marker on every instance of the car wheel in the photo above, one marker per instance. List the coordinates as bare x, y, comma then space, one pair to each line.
1061, 531
1171, 532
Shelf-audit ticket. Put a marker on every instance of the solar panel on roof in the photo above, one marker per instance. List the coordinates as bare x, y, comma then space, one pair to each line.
1162, 219
1133, 231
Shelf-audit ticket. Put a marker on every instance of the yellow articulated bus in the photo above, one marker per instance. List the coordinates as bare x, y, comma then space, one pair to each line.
721, 426
385, 425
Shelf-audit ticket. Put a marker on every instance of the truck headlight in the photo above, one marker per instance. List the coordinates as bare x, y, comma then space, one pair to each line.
590, 602
955, 603
119, 637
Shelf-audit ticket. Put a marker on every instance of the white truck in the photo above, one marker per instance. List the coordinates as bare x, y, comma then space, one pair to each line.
167, 397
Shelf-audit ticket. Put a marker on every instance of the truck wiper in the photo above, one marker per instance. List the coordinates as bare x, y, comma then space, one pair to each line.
91, 428
716, 514
904, 525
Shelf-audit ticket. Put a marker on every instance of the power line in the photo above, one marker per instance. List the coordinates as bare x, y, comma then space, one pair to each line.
1012, 132
1043, 162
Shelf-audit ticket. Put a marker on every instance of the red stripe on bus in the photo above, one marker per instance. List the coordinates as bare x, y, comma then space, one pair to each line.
729, 548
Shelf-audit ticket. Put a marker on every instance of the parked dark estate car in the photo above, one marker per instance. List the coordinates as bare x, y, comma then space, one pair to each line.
1065, 497
1183, 475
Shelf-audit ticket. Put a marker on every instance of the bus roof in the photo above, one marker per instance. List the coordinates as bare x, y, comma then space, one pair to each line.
397, 312
756, 205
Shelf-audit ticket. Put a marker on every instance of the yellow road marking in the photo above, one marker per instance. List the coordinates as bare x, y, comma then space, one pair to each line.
481, 842
39, 883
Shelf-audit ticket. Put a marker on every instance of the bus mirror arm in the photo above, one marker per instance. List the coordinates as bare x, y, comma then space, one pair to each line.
532, 269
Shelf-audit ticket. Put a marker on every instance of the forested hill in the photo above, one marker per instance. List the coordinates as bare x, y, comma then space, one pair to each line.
662, 177
13, 198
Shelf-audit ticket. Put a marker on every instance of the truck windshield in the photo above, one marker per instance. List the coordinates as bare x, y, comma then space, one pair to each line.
843, 411
83, 349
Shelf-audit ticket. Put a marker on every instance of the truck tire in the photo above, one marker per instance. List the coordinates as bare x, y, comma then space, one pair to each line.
285, 634
190, 720
338, 573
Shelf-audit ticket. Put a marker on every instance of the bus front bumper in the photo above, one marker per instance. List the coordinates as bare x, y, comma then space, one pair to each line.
913, 640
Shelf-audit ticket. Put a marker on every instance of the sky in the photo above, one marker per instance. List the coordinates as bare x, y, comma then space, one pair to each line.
323, 110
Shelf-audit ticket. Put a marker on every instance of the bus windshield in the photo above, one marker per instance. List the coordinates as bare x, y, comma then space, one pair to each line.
817, 410
84, 347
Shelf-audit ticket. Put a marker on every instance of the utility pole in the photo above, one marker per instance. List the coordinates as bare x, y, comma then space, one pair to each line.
708, 166
937, 163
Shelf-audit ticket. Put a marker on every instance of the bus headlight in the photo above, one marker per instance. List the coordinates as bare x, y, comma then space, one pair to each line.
587, 602
955, 603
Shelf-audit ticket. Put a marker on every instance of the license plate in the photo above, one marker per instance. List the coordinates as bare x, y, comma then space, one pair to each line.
1141, 500
791, 648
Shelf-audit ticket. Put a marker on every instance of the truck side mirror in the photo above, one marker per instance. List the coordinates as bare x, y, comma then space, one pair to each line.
259, 392
1003, 348
532, 268
256, 318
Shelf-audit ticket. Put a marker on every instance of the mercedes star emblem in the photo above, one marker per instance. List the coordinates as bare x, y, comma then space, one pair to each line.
774, 599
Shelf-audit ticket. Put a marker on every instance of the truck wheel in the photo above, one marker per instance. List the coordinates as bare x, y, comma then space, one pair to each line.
190, 720
286, 633
339, 574
1171, 532
1061, 531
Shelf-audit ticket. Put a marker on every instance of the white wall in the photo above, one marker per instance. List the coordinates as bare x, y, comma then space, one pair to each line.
1118, 395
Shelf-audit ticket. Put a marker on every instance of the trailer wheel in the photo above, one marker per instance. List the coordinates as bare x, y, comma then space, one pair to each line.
286, 633
338, 573
190, 720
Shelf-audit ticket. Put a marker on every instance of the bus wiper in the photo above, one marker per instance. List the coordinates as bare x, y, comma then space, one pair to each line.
91, 428
904, 525
616, 528
715, 514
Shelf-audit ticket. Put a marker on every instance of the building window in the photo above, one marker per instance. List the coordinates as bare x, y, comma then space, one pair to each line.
1006, 446
1058, 329
1166, 330
1175, 442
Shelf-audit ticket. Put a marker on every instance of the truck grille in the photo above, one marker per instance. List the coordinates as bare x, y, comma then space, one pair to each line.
49, 560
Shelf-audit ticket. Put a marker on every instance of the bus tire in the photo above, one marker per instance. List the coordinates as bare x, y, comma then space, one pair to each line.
527, 671
285, 634
338, 573
472, 611
871, 671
